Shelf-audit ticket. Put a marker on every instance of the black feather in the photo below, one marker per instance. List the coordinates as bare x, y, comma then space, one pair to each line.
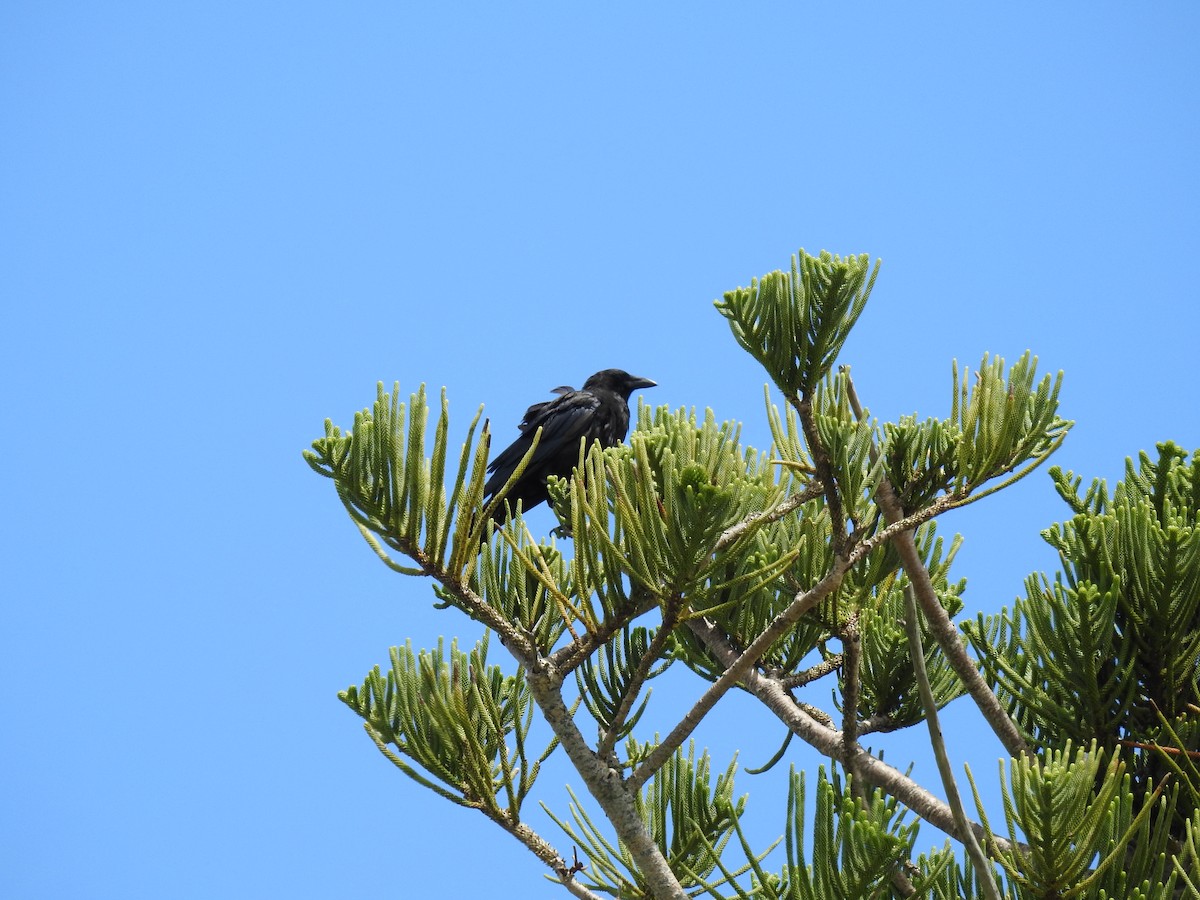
598, 412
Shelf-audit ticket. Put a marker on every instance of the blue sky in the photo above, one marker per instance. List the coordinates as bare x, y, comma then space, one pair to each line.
223, 223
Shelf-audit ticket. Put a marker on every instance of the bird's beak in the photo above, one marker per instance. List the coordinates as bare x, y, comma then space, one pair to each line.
635, 383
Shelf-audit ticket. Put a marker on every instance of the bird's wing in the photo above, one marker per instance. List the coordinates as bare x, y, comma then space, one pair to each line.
563, 422
538, 409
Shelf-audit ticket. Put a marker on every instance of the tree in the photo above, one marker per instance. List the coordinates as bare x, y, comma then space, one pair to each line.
815, 561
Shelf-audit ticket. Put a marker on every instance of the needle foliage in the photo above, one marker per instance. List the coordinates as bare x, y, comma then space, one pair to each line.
785, 574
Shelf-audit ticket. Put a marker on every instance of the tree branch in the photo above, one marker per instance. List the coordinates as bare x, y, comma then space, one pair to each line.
943, 630
814, 490
820, 670
569, 658
851, 685
608, 740
540, 848
912, 627
736, 671
515, 641
824, 467
803, 602
829, 743
946, 634
605, 784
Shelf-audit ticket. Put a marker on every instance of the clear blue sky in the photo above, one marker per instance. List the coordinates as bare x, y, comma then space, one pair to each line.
223, 222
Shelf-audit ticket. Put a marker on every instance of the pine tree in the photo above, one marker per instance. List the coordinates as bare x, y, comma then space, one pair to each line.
816, 561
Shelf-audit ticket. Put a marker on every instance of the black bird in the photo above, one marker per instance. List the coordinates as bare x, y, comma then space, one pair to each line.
598, 412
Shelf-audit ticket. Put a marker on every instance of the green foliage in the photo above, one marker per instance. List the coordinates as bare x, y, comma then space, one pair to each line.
527, 583
795, 324
720, 543
1059, 662
608, 685
672, 493
689, 818
999, 428
857, 845
789, 441
654, 515
453, 716
1081, 834
1187, 863
392, 489
943, 877
1004, 425
849, 443
758, 581
1171, 750
1108, 651
922, 459
889, 697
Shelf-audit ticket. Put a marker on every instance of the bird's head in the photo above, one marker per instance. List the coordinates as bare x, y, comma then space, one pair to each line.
618, 381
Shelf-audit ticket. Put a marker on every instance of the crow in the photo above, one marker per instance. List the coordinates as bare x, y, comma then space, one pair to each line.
599, 412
